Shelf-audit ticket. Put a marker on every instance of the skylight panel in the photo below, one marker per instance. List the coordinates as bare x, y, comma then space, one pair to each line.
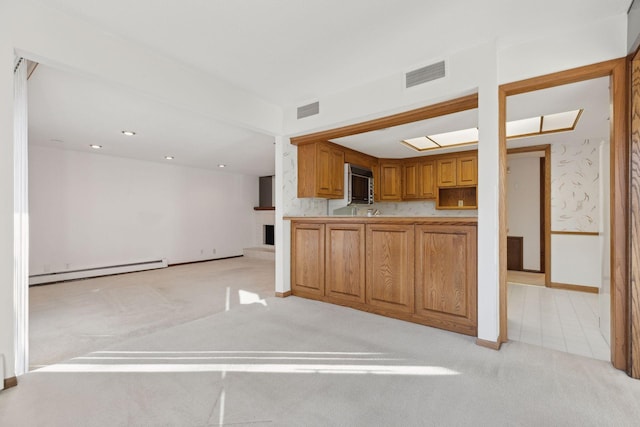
458, 137
524, 127
421, 143
560, 121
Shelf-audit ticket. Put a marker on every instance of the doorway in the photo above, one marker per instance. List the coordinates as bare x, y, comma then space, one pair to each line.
615, 72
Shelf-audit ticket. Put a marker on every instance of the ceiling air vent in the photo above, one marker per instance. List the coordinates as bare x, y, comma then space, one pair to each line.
425, 74
308, 110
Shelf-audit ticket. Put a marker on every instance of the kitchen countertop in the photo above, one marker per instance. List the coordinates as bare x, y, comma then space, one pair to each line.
441, 220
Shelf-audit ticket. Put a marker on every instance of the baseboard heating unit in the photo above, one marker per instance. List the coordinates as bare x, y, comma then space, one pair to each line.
38, 279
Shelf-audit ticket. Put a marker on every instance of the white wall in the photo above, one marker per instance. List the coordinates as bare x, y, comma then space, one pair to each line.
38, 32
575, 207
51, 37
576, 260
523, 206
91, 210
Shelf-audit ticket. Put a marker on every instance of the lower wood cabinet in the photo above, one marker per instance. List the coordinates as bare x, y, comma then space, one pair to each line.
345, 262
423, 271
390, 267
307, 259
445, 276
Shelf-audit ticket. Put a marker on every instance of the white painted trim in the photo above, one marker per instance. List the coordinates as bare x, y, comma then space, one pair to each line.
21, 220
96, 272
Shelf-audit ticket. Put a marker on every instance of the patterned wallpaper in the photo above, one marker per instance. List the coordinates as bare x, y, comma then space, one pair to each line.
575, 181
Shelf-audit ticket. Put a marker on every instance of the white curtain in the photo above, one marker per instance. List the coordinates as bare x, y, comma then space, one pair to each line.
21, 218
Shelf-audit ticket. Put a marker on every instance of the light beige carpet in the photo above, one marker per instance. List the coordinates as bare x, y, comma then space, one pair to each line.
297, 362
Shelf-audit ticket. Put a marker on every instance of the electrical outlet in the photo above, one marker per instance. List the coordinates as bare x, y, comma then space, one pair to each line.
201, 251
460, 203
213, 251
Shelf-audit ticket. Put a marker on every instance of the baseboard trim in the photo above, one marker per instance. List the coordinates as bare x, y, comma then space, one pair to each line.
204, 260
10, 382
283, 294
532, 271
578, 288
493, 345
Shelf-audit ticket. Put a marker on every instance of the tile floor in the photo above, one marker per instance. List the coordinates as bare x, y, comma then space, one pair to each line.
556, 319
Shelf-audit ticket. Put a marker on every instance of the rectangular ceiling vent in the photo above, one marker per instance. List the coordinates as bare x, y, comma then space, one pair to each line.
425, 74
308, 110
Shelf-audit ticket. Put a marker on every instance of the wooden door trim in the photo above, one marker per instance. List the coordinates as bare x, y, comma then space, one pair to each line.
617, 71
545, 206
634, 312
464, 103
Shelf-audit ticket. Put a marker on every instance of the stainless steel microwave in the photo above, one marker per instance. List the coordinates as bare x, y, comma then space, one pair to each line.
358, 184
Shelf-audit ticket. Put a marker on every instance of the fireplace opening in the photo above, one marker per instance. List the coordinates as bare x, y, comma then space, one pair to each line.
269, 235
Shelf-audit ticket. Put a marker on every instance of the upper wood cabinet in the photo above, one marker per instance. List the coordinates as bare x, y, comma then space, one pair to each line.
457, 171
418, 180
446, 172
467, 170
390, 187
320, 171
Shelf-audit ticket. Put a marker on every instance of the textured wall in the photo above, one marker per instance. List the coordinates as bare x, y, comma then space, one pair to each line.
575, 181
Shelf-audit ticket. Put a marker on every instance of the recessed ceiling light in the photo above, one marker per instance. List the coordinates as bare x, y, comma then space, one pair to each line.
168, 157
222, 166
58, 141
128, 132
95, 146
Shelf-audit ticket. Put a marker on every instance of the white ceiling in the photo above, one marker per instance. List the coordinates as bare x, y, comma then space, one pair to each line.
591, 95
288, 51
285, 51
70, 111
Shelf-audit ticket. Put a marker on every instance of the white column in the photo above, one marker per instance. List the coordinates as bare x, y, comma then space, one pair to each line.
6, 195
488, 203
21, 219
282, 232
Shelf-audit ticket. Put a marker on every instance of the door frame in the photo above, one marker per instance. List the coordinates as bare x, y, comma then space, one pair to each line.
617, 71
545, 206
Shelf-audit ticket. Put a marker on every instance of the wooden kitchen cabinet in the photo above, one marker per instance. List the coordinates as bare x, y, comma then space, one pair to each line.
457, 179
345, 262
446, 172
390, 181
390, 270
320, 171
456, 171
307, 259
445, 277
421, 270
418, 180
467, 170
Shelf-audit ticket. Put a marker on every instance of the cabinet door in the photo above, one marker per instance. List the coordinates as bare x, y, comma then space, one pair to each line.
410, 181
446, 276
345, 262
427, 185
390, 179
336, 171
446, 171
390, 270
467, 170
323, 171
307, 259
